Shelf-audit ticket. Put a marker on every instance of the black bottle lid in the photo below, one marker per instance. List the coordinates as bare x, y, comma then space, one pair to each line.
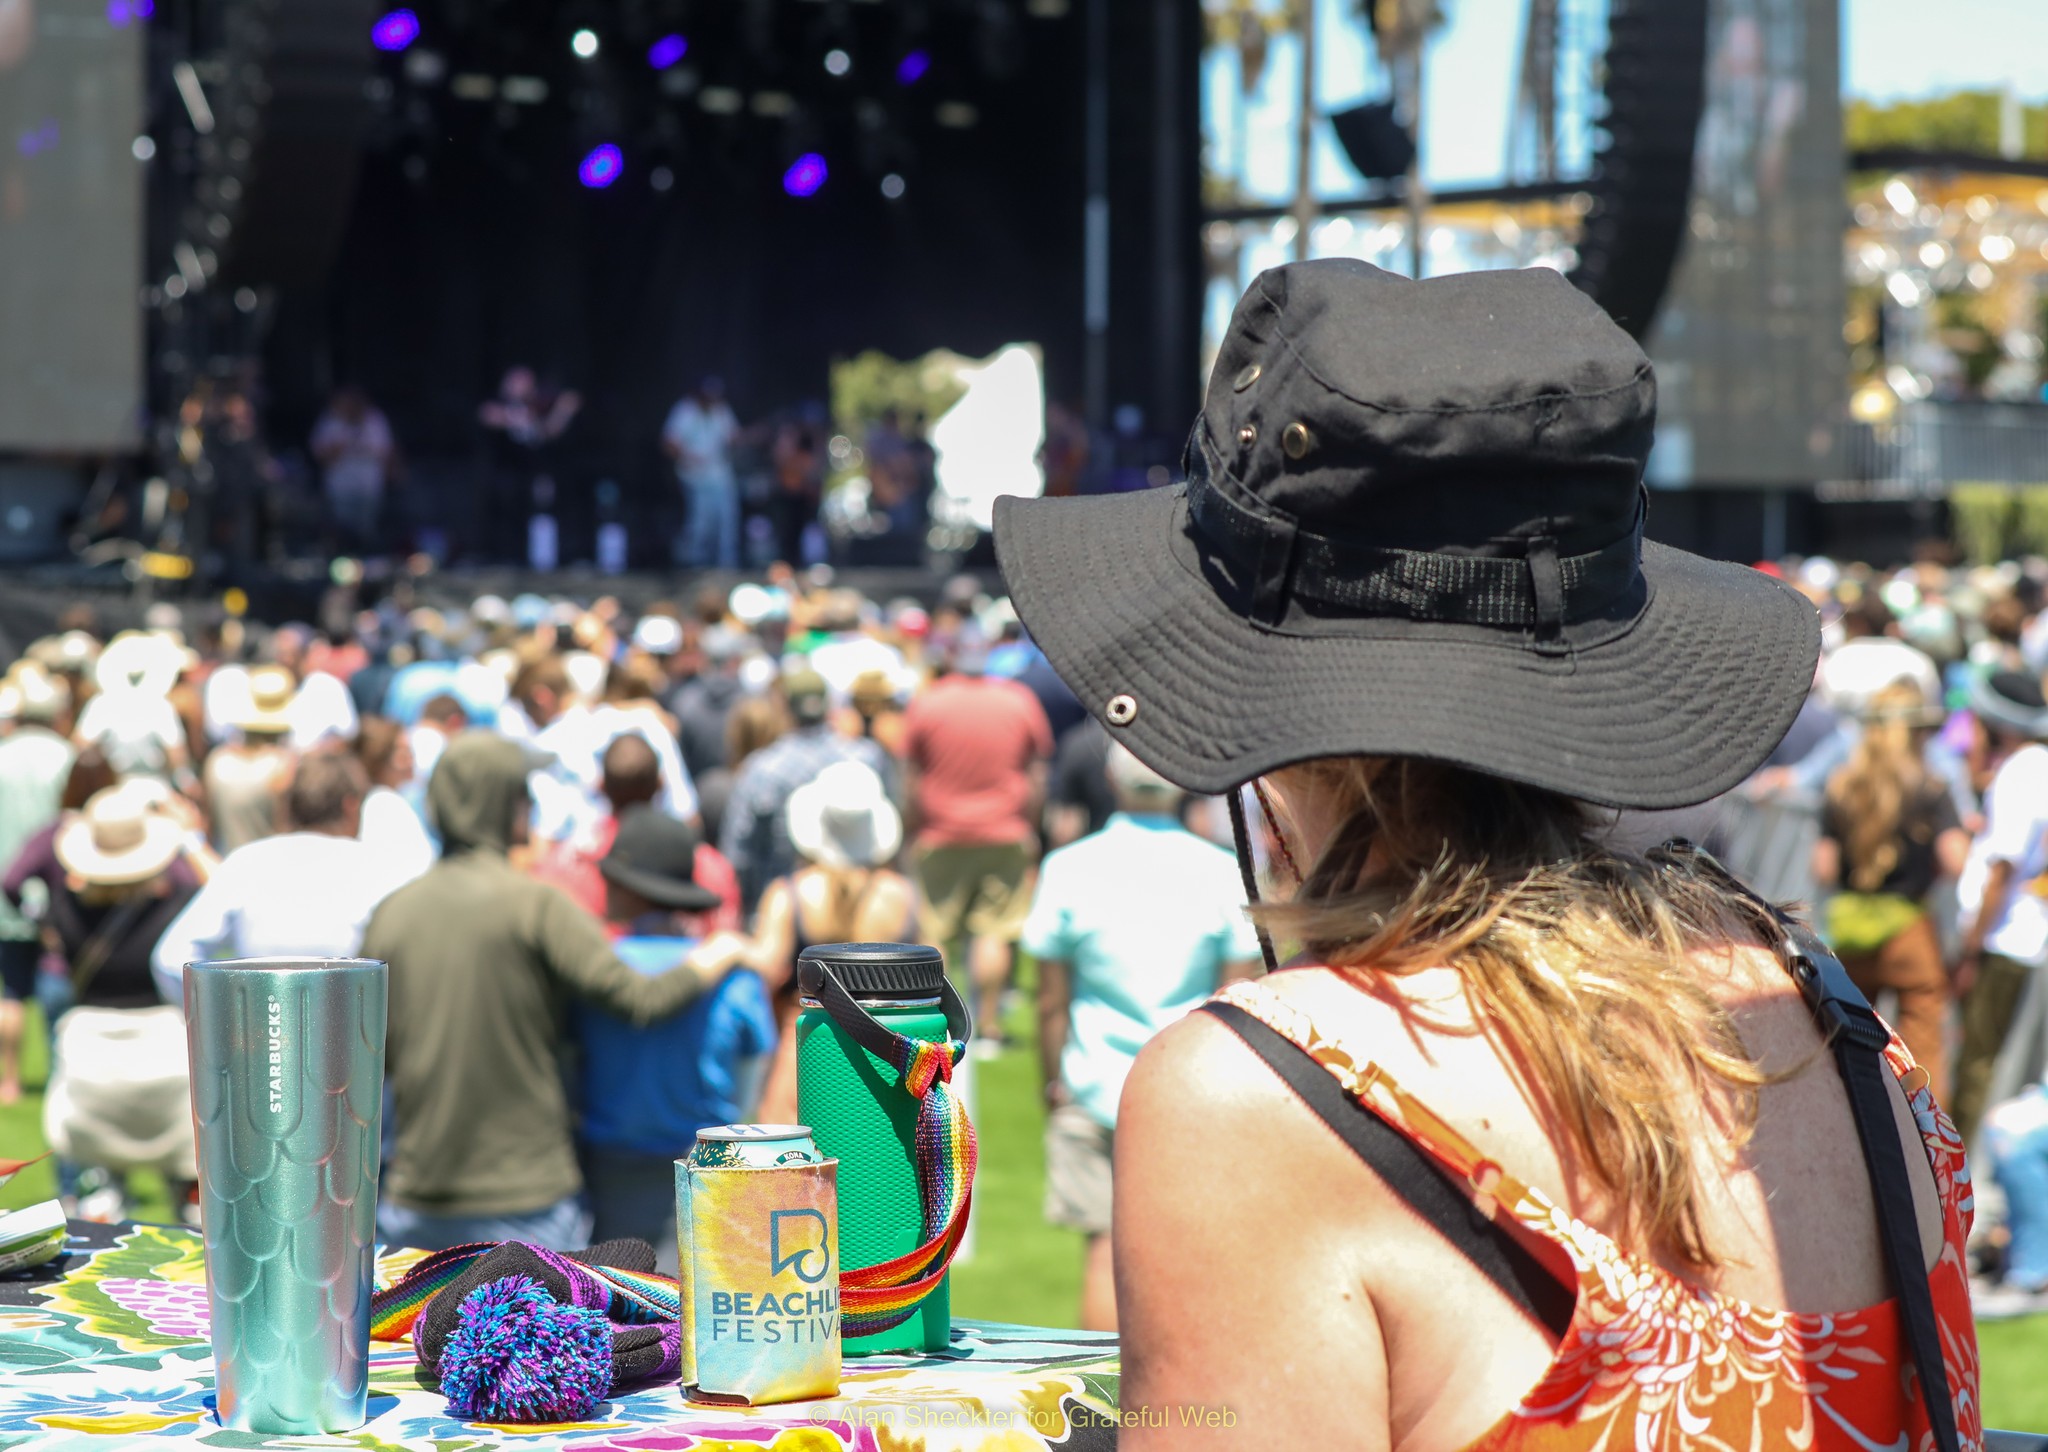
873, 970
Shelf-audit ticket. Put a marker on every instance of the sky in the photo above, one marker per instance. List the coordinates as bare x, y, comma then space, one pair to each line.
1898, 48
1890, 49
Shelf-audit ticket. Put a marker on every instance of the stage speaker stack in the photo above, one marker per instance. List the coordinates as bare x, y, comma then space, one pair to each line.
1378, 146
1656, 75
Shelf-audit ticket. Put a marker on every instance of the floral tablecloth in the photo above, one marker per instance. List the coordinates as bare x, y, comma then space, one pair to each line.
111, 1350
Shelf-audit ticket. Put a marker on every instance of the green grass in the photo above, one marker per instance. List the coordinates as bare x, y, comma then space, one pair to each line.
1023, 1269
2014, 1352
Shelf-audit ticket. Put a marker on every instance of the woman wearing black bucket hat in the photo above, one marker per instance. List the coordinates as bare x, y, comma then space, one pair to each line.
1405, 593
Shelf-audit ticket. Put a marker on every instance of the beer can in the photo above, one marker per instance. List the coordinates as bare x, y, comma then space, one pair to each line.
757, 1244
753, 1146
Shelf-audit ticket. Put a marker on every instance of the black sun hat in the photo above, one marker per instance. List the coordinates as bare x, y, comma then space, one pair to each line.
1413, 526
655, 855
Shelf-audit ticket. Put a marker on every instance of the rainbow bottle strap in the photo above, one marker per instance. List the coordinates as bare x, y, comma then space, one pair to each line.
878, 1297
637, 1297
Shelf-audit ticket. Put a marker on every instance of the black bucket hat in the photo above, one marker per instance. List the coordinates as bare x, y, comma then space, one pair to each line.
655, 855
1413, 526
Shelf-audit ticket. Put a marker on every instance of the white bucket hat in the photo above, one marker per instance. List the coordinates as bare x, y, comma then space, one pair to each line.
120, 838
139, 661
843, 818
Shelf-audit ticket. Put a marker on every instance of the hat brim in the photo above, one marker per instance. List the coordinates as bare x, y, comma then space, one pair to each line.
1680, 707
162, 839
673, 893
2009, 716
263, 723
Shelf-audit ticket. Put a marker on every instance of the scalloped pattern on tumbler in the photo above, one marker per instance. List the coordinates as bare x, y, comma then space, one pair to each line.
288, 1179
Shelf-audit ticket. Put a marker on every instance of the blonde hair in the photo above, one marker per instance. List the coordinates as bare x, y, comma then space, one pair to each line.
1576, 957
1870, 790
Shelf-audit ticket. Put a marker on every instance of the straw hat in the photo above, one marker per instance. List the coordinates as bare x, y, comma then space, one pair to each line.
140, 661
118, 839
843, 818
72, 653
267, 711
33, 693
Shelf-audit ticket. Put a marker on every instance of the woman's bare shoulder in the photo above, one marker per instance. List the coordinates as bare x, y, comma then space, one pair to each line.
1211, 1151
1197, 1068
1199, 1094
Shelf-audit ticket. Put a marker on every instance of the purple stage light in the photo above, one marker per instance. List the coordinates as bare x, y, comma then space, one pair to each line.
805, 175
912, 67
42, 138
602, 167
667, 51
395, 31
120, 13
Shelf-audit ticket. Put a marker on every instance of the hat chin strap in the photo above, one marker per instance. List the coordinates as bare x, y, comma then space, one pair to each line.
1241, 837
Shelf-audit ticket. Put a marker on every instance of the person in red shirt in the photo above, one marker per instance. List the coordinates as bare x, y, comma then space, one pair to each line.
632, 778
975, 750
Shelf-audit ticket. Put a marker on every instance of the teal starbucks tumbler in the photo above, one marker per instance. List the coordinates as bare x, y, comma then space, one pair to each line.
287, 1099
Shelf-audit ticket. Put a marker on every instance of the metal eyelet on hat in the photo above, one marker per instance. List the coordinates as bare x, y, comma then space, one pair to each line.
1248, 435
1122, 709
1246, 377
1296, 440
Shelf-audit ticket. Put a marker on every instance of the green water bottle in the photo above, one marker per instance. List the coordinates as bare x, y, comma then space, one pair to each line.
854, 996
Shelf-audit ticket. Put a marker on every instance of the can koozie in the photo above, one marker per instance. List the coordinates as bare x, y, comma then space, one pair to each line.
758, 1252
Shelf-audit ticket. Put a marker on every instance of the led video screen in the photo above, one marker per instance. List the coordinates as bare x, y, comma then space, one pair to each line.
71, 186
1751, 367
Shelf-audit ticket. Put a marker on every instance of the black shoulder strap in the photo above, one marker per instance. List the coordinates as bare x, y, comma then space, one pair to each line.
1426, 1187
1858, 1037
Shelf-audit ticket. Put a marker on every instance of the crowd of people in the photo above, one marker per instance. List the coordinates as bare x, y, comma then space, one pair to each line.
1460, 1023
591, 846
1919, 765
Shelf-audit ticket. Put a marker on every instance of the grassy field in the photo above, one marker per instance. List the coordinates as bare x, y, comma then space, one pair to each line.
1025, 1270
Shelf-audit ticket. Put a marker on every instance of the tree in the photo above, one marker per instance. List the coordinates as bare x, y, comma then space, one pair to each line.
1962, 121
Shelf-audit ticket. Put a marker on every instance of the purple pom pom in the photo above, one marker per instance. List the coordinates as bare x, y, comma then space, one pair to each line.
518, 1355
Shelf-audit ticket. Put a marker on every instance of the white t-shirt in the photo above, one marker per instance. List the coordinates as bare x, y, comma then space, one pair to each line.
1858, 669
701, 436
364, 451
322, 710
137, 731
395, 832
845, 658
567, 796
299, 895
2015, 831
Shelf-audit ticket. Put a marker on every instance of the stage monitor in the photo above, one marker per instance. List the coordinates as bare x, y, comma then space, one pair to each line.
71, 328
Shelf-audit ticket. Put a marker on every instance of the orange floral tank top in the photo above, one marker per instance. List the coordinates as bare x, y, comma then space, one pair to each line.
1649, 1362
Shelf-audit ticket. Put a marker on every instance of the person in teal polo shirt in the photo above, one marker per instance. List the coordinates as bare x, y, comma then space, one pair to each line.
1132, 927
